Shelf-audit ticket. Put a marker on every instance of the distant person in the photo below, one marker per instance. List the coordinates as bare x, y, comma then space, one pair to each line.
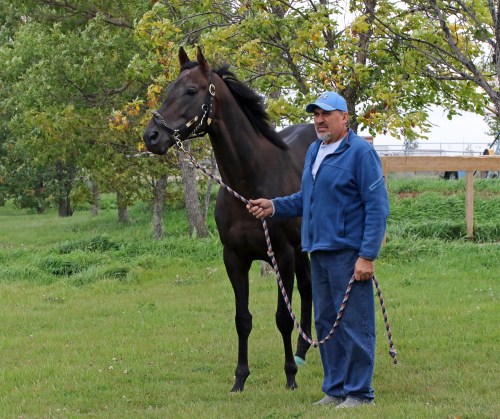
450, 175
484, 173
344, 206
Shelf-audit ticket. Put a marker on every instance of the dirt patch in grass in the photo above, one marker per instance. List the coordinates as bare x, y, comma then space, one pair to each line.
404, 195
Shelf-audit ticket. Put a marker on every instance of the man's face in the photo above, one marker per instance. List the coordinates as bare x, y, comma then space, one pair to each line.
330, 125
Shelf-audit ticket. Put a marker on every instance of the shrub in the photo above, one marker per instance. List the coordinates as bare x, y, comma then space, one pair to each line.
65, 265
100, 243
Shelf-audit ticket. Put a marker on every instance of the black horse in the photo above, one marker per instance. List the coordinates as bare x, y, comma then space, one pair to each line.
256, 162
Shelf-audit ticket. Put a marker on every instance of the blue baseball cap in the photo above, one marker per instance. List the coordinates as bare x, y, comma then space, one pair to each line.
328, 101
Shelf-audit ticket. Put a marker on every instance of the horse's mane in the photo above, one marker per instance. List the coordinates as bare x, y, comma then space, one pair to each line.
249, 101
251, 104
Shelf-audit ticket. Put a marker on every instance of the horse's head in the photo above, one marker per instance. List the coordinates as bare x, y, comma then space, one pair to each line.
187, 109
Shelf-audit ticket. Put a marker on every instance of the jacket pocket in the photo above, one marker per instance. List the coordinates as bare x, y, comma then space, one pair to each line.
341, 223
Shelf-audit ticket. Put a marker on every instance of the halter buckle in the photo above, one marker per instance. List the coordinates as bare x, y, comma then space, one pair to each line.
192, 121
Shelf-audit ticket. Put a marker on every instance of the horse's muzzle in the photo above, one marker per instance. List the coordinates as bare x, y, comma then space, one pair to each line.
155, 141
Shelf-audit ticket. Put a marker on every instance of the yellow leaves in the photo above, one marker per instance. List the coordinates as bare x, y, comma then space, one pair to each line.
315, 36
118, 122
370, 117
154, 89
152, 103
154, 92
250, 54
359, 25
134, 110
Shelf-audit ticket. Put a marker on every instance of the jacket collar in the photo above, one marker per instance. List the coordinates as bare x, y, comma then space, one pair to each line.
344, 144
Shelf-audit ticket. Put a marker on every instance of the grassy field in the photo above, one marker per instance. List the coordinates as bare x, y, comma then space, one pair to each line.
99, 320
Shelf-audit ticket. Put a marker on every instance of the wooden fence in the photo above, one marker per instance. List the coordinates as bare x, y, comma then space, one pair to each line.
446, 163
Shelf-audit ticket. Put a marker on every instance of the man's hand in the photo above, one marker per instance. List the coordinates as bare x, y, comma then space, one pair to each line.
260, 208
364, 269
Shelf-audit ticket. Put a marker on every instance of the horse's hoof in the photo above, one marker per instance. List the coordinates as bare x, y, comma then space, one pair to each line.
239, 384
291, 386
299, 361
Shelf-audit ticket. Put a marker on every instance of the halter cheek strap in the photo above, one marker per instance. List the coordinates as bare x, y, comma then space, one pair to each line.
189, 129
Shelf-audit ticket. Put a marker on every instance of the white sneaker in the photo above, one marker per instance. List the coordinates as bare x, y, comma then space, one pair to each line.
355, 402
332, 400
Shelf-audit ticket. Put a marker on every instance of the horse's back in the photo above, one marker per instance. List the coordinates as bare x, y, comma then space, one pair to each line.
298, 138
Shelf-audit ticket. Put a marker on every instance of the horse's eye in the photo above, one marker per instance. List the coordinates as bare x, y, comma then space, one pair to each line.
191, 91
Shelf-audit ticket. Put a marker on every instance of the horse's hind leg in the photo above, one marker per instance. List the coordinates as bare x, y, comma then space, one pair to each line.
284, 320
237, 271
303, 273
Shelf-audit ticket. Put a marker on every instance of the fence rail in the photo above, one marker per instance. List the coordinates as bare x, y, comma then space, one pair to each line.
437, 149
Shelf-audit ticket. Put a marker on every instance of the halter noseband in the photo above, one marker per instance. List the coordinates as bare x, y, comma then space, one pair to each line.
189, 129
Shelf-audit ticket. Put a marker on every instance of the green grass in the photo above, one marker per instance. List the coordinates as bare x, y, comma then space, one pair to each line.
434, 208
99, 320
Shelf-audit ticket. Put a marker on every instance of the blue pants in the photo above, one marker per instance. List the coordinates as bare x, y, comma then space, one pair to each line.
349, 356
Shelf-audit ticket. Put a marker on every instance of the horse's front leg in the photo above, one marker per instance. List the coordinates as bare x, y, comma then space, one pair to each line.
237, 270
283, 319
303, 274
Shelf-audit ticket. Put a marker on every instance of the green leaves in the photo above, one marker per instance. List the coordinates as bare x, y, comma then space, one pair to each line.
111, 61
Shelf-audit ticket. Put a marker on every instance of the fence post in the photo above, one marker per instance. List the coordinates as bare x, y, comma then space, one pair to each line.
469, 203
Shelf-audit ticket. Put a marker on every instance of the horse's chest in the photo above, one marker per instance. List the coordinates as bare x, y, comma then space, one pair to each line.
237, 228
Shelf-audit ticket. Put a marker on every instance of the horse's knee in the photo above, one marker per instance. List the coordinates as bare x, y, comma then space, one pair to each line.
305, 290
284, 321
243, 324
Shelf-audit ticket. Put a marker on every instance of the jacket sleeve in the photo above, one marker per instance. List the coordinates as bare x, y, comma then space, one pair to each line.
288, 206
292, 205
375, 199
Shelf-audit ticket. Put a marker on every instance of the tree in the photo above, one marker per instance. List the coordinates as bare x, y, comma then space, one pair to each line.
197, 225
154, 63
292, 51
455, 45
65, 68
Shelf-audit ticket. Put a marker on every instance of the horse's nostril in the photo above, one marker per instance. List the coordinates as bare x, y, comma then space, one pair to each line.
153, 137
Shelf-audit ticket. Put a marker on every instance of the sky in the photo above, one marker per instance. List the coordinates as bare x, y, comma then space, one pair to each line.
465, 132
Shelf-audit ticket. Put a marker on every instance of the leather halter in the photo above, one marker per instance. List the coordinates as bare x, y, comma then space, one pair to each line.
190, 129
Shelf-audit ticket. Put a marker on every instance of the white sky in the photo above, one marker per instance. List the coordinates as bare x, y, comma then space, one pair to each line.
458, 133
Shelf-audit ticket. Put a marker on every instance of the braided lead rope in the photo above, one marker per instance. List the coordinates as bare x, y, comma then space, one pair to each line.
392, 349
270, 252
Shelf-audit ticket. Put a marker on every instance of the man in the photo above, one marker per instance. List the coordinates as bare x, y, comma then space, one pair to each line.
344, 206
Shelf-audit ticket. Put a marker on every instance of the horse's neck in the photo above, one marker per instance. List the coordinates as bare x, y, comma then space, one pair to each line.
242, 154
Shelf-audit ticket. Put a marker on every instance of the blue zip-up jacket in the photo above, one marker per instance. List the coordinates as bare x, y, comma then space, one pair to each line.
346, 206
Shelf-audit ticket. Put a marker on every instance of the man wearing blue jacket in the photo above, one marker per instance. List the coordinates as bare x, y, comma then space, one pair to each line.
344, 206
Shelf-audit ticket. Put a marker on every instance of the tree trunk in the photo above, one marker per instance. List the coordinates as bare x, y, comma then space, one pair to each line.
94, 209
197, 225
64, 208
122, 208
158, 204
210, 186
65, 175
41, 203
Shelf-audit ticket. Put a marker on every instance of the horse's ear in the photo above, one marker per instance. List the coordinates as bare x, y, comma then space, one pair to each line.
183, 58
202, 62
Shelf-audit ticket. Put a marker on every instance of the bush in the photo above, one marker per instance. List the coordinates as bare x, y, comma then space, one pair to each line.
65, 265
95, 244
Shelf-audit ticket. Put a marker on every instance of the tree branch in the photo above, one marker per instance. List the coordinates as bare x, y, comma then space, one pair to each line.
90, 14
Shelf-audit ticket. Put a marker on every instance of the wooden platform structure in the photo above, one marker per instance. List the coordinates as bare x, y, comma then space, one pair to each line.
467, 164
